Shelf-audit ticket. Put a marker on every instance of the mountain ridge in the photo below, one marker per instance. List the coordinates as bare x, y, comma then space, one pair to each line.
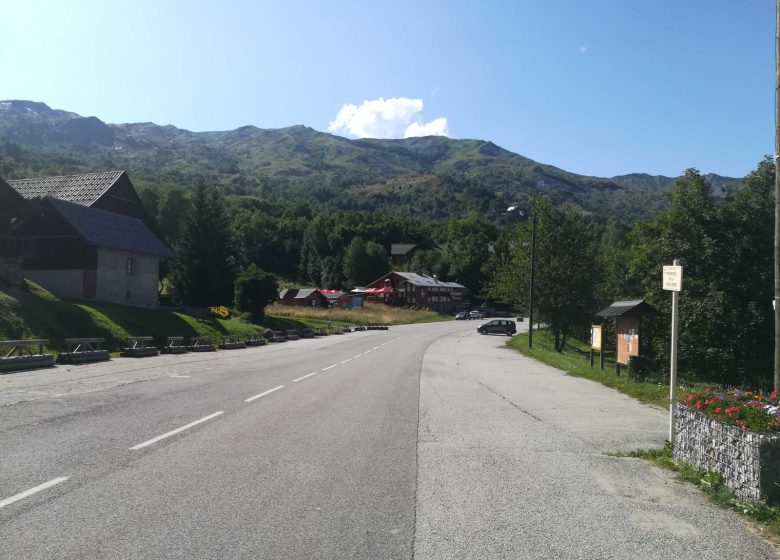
453, 175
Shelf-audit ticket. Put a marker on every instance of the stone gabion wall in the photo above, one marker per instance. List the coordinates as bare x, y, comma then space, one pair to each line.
749, 462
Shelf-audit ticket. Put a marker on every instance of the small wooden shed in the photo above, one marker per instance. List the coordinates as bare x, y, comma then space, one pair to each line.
628, 321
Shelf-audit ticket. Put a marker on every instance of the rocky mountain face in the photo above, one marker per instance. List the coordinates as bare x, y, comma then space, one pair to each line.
434, 176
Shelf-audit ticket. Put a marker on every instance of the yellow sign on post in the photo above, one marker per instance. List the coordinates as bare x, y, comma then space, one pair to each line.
595, 337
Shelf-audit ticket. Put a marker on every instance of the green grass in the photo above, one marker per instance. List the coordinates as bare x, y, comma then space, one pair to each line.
574, 361
36, 313
712, 485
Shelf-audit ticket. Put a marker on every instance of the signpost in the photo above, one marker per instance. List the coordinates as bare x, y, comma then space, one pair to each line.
595, 344
672, 282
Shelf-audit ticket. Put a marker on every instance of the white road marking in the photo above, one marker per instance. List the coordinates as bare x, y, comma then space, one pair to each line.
345, 361
305, 376
181, 376
31, 491
329, 367
376, 347
268, 392
176, 431
356, 357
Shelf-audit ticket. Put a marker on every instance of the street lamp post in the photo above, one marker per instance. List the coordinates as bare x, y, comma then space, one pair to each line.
531, 289
533, 272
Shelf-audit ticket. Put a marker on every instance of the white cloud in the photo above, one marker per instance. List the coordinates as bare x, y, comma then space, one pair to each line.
583, 48
437, 127
395, 117
434, 91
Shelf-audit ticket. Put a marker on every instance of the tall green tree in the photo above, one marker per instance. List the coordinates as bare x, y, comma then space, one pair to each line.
204, 268
254, 290
172, 210
566, 271
726, 248
467, 251
364, 262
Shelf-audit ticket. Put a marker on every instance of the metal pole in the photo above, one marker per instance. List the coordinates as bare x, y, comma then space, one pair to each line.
673, 364
777, 199
533, 270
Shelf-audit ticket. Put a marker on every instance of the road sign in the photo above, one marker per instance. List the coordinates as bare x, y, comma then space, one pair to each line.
673, 278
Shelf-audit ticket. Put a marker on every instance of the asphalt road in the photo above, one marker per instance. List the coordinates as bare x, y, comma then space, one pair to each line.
424, 441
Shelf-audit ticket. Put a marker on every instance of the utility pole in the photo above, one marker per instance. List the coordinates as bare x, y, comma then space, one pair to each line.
533, 270
776, 301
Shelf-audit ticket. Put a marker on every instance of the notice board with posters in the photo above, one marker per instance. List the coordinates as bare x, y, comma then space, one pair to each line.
627, 338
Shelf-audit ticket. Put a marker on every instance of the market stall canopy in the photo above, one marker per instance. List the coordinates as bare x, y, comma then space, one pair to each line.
378, 291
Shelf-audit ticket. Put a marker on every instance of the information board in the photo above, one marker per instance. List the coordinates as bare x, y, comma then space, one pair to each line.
595, 337
627, 338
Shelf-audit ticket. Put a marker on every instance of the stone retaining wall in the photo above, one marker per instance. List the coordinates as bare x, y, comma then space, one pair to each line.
749, 462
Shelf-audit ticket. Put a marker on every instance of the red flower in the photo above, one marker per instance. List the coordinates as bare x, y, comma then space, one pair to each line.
717, 410
698, 405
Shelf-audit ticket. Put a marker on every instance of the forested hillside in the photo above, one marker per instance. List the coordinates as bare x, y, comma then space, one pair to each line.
434, 177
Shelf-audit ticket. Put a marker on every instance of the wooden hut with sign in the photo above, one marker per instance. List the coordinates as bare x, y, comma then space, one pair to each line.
628, 322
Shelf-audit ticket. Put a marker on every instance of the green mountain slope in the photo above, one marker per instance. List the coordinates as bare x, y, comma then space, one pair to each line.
429, 176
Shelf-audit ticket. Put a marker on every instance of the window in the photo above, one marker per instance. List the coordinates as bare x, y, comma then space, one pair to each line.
130, 266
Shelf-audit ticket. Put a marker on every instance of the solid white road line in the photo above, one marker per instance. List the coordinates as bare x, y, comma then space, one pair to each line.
356, 357
176, 431
181, 376
31, 491
264, 393
376, 347
305, 376
345, 361
329, 367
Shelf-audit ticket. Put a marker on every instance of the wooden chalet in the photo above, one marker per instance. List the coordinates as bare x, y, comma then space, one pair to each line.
402, 253
88, 237
305, 297
418, 290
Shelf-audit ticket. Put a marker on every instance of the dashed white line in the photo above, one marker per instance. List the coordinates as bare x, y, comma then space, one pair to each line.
181, 376
305, 376
268, 392
329, 367
176, 431
356, 357
376, 347
345, 361
31, 491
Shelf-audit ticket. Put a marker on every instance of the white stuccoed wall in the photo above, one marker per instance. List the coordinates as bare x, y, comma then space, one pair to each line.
113, 283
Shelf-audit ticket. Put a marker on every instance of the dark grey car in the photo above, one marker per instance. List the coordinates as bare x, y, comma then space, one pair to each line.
498, 326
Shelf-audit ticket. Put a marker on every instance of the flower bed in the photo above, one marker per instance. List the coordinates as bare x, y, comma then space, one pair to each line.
744, 409
748, 461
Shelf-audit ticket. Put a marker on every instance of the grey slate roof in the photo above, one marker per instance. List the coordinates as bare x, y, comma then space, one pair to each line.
401, 248
106, 229
630, 307
82, 189
427, 281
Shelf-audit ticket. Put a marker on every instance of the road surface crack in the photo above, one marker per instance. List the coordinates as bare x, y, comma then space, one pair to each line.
521, 409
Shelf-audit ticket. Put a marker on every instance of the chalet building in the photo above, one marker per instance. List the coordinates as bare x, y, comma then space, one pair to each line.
87, 237
402, 253
111, 191
418, 290
305, 297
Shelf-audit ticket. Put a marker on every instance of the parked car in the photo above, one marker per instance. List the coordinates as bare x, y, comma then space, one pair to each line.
461, 315
476, 314
498, 326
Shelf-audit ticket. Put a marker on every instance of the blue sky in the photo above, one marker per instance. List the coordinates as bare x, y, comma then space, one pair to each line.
599, 87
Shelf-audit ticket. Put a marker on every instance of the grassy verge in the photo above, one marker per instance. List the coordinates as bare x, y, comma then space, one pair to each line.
370, 313
574, 361
37, 313
712, 485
